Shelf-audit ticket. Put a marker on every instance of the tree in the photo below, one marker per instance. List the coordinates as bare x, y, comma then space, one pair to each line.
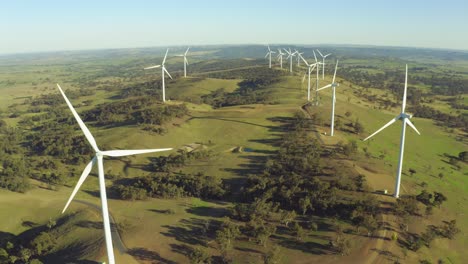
199, 256
358, 127
304, 204
225, 236
3, 255
439, 198
463, 156
43, 243
298, 231
287, 217
441, 175
370, 223
273, 256
424, 197
450, 229
342, 245
25, 254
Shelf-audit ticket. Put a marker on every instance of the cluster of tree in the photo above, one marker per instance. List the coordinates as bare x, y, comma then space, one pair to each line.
142, 110
250, 91
392, 79
448, 230
171, 185
177, 160
59, 139
424, 111
429, 199
19, 251
445, 84
223, 69
14, 174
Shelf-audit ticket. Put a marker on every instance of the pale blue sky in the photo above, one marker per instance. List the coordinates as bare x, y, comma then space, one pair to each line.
46, 25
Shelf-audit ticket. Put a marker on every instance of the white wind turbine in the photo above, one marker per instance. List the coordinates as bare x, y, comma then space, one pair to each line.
316, 79
290, 57
269, 54
333, 85
310, 68
280, 57
299, 55
185, 62
102, 185
323, 62
405, 118
163, 69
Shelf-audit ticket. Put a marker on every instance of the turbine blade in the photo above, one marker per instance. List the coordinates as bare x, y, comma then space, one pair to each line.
325, 87
267, 54
412, 126
320, 53
120, 153
327, 55
269, 48
315, 56
186, 61
186, 51
83, 127
303, 78
334, 75
165, 56
403, 105
304, 60
152, 67
382, 128
167, 72
83, 176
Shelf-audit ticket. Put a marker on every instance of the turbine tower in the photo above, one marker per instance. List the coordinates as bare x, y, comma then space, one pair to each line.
310, 68
185, 62
290, 57
280, 57
405, 119
323, 62
163, 69
333, 85
269, 54
98, 158
317, 79
299, 55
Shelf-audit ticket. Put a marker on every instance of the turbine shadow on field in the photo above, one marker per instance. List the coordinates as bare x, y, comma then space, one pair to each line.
208, 211
225, 119
193, 231
143, 254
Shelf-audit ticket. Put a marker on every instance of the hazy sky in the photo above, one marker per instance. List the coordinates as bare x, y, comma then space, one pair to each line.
46, 25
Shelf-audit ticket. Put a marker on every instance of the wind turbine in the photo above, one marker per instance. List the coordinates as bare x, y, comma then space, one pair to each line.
185, 62
323, 58
333, 85
269, 54
310, 68
280, 57
405, 119
163, 69
317, 79
290, 57
98, 158
299, 55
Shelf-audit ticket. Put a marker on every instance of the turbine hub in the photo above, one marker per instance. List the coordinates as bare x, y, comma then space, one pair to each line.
99, 154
